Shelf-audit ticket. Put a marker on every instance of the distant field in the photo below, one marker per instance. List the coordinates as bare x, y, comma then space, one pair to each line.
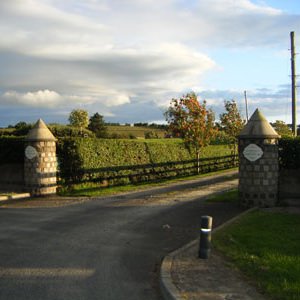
4, 131
138, 132
123, 131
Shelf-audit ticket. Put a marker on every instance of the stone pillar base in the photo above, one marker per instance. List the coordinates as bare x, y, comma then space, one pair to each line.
41, 191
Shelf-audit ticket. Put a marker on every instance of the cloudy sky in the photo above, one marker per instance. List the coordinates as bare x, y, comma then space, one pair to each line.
126, 59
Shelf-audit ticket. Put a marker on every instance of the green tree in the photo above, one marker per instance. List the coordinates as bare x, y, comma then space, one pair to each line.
282, 129
79, 118
97, 125
232, 122
191, 121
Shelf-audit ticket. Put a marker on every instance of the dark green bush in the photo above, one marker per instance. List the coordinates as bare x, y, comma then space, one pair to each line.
289, 153
62, 131
11, 150
70, 163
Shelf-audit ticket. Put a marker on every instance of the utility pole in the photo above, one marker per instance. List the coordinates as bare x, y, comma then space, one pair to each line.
294, 95
246, 103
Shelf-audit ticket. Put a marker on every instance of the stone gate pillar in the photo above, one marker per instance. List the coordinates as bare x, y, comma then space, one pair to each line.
259, 166
40, 161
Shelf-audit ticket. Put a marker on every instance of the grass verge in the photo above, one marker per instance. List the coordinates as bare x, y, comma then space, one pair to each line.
228, 197
94, 190
265, 247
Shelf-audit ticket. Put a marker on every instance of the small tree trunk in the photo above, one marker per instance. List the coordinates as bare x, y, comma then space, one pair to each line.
234, 152
198, 162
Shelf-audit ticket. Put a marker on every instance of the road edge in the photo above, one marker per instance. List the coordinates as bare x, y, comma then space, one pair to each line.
18, 196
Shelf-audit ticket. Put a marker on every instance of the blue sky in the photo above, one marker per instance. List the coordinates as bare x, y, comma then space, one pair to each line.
126, 59
289, 6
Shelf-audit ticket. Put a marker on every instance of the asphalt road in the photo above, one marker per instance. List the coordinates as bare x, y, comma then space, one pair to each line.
108, 249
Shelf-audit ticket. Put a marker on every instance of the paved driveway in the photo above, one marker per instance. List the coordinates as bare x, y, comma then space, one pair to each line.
101, 249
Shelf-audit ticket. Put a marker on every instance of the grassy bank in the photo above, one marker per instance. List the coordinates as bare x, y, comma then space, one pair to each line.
265, 246
228, 197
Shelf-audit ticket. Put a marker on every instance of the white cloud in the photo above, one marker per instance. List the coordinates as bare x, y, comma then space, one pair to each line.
104, 95
43, 98
117, 99
40, 29
72, 29
51, 99
234, 8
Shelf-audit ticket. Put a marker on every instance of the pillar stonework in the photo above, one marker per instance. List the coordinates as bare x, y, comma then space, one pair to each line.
259, 166
40, 163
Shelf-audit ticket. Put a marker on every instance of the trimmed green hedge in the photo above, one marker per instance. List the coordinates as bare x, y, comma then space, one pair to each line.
289, 153
77, 156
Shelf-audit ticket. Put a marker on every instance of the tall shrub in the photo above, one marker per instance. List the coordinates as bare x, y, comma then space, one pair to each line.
289, 153
11, 150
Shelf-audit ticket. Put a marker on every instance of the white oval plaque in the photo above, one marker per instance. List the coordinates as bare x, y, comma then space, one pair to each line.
252, 152
30, 152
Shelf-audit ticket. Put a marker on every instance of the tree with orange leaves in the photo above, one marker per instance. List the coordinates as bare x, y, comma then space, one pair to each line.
191, 121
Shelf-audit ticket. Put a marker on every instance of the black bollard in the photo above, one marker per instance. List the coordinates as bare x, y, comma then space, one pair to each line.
205, 237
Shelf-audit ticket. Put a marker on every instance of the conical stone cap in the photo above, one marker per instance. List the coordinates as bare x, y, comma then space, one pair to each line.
40, 132
258, 127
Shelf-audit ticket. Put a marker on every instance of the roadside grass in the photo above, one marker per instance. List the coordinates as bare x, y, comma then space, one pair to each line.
94, 190
228, 197
265, 247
